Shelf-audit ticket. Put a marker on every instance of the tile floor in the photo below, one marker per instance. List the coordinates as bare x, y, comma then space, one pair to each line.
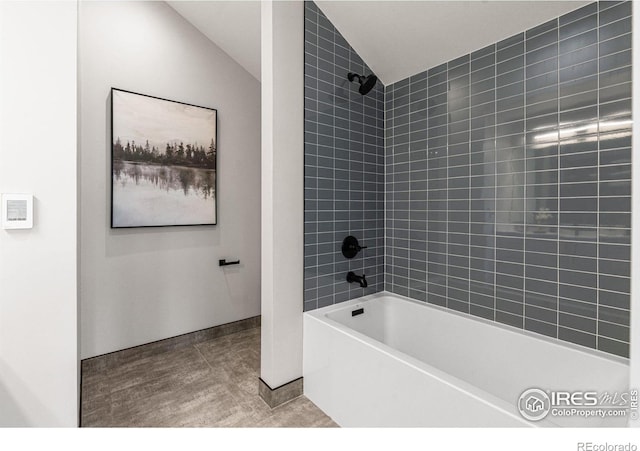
209, 384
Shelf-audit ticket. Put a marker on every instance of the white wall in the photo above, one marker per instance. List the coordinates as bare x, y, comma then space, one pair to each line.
38, 297
282, 191
141, 285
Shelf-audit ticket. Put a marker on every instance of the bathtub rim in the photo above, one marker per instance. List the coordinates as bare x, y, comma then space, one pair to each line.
321, 313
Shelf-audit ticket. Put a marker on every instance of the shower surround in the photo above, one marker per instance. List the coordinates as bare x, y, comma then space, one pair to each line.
507, 180
344, 168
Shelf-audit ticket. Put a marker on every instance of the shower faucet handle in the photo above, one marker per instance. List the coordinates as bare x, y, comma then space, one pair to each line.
350, 247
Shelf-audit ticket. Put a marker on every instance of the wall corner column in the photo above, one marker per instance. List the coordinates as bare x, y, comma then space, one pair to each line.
39, 361
282, 191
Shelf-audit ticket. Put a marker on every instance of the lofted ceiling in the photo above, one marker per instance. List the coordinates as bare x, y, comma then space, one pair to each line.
397, 39
234, 26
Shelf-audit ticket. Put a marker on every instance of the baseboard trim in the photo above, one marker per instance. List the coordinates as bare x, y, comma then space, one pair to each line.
105, 361
276, 396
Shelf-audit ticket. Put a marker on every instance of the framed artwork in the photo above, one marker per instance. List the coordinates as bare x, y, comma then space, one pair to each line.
163, 162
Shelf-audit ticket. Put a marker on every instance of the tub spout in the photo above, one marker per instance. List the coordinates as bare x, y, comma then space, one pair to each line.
351, 277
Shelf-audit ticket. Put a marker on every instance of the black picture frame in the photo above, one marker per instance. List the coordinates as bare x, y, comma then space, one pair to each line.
144, 178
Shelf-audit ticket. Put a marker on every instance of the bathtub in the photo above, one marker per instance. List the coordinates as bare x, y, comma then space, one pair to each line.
407, 363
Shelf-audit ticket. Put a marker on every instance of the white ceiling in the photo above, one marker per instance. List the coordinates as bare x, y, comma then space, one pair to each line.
234, 26
397, 39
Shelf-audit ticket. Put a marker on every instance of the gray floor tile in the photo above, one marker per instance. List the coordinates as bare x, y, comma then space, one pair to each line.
212, 383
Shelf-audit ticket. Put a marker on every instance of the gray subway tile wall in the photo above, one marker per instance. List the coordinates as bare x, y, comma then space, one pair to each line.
344, 168
497, 184
508, 180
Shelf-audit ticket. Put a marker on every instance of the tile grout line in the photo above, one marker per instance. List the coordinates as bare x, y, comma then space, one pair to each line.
470, 199
597, 318
203, 357
447, 253
525, 184
495, 183
558, 197
333, 123
409, 147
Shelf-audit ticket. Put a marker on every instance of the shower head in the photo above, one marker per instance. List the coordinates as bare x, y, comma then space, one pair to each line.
366, 83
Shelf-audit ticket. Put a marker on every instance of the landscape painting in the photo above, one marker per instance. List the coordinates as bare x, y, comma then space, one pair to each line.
163, 157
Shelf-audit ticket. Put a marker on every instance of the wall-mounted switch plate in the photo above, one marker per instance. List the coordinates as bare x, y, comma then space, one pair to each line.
17, 211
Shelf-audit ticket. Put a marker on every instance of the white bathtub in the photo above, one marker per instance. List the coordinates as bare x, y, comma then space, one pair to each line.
407, 363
